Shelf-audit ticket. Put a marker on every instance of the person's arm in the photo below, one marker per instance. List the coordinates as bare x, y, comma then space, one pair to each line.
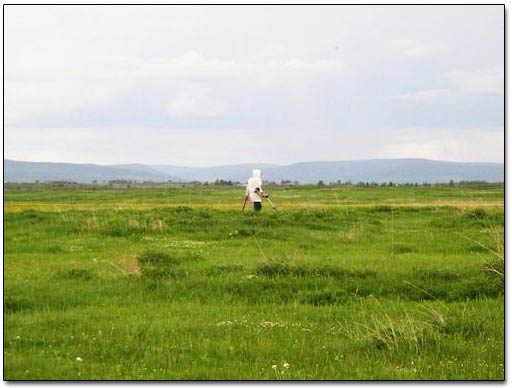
262, 193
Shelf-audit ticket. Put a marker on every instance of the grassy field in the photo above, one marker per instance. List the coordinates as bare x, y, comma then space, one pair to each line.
177, 283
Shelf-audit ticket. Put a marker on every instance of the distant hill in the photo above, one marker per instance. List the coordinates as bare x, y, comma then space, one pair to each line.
234, 172
375, 170
387, 170
16, 171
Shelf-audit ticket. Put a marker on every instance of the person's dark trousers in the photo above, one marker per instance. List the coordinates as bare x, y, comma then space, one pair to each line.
257, 206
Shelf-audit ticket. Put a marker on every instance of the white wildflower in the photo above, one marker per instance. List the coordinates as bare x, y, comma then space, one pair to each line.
79, 359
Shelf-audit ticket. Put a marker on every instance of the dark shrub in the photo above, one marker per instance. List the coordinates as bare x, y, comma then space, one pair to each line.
476, 214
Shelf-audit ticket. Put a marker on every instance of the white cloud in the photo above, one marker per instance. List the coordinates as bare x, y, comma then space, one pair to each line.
196, 104
217, 146
464, 144
462, 83
423, 94
479, 81
192, 65
419, 51
25, 99
31, 91
273, 52
414, 49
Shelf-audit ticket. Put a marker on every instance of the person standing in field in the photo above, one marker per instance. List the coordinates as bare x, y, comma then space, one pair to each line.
254, 191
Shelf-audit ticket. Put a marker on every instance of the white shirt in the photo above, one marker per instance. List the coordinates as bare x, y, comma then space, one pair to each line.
253, 183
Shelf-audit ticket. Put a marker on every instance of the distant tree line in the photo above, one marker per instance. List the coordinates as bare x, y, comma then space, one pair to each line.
126, 183
321, 183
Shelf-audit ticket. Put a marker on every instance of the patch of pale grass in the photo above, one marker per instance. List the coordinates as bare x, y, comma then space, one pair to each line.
404, 330
351, 236
130, 265
157, 225
495, 264
92, 224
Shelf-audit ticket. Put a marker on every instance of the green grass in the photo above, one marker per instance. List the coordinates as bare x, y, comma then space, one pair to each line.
177, 283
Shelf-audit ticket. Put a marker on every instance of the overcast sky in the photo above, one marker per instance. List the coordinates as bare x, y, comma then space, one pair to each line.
212, 85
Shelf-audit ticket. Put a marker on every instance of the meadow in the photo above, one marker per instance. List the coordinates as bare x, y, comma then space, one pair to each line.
168, 282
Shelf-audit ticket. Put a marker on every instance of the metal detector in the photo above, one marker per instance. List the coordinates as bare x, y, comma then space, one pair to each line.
271, 203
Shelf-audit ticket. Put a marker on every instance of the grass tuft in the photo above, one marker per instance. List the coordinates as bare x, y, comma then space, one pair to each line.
476, 214
161, 265
278, 268
16, 304
402, 248
76, 274
495, 266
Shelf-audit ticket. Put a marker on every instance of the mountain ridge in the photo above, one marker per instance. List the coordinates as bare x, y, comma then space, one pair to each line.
408, 170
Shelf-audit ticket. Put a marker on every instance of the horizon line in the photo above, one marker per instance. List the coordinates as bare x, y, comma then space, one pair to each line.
254, 163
